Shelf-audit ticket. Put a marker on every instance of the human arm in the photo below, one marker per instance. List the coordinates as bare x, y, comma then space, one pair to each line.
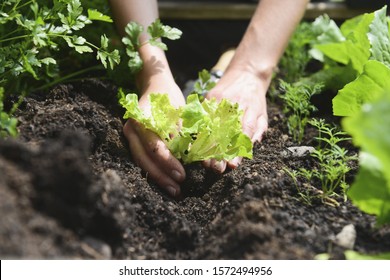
248, 76
147, 149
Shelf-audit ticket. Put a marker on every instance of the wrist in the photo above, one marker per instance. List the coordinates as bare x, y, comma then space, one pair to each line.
260, 75
155, 66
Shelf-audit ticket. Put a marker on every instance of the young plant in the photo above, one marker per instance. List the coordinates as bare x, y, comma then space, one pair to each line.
294, 61
156, 30
35, 37
196, 131
203, 84
32, 36
297, 106
332, 162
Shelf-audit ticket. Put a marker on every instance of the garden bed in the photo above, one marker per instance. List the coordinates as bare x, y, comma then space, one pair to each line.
68, 189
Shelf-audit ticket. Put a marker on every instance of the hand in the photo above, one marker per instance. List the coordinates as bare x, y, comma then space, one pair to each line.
147, 149
249, 92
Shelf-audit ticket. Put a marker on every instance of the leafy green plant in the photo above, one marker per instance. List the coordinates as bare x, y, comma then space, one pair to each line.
298, 106
7, 122
369, 129
35, 36
333, 159
364, 48
196, 131
292, 65
156, 30
332, 163
32, 36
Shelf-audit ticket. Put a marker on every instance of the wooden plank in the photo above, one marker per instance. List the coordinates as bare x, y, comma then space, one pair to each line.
219, 11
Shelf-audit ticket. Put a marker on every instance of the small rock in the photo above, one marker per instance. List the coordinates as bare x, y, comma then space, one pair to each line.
97, 248
299, 151
346, 238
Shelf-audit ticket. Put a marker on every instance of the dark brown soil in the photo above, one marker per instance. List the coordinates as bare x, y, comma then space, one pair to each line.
68, 189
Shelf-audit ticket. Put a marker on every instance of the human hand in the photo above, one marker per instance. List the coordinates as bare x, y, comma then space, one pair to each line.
249, 92
148, 150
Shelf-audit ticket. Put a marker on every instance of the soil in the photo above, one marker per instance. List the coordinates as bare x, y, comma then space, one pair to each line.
69, 189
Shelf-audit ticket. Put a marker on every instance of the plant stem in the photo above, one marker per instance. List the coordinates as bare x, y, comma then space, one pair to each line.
69, 76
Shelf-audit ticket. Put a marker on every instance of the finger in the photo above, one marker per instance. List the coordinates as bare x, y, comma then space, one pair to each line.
249, 122
143, 160
262, 126
234, 163
218, 166
162, 157
206, 163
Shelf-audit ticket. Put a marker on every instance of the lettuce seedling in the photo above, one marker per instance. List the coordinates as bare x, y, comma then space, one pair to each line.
196, 131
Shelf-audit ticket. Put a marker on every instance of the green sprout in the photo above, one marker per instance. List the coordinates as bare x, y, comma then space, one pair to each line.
333, 163
298, 107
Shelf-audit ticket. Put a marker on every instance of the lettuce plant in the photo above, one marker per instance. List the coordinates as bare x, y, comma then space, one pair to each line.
196, 131
369, 129
365, 48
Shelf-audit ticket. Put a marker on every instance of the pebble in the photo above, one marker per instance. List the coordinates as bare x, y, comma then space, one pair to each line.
298, 151
346, 237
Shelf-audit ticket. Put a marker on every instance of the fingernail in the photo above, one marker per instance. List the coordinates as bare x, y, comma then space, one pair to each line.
220, 166
235, 162
171, 190
176, 175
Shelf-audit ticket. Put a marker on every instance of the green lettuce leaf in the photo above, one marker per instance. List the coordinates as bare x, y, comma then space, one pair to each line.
374, 80
195, 132
379, 37
369, 129
355, 48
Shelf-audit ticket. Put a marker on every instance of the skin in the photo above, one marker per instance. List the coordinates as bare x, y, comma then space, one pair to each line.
245, 81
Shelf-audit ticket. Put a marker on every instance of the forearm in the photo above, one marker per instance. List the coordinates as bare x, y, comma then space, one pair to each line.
144, 13
267, 36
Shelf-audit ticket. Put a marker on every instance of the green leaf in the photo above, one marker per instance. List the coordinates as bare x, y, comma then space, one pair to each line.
208, 129
133, 31
379, 37
352, 255
96, 15
28, 67
371, 190
130, 103
114, 58
104, 42
326, 30
165, 117
374, 80
157, 30
355, 49
83, 49
7, 123
48, 60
